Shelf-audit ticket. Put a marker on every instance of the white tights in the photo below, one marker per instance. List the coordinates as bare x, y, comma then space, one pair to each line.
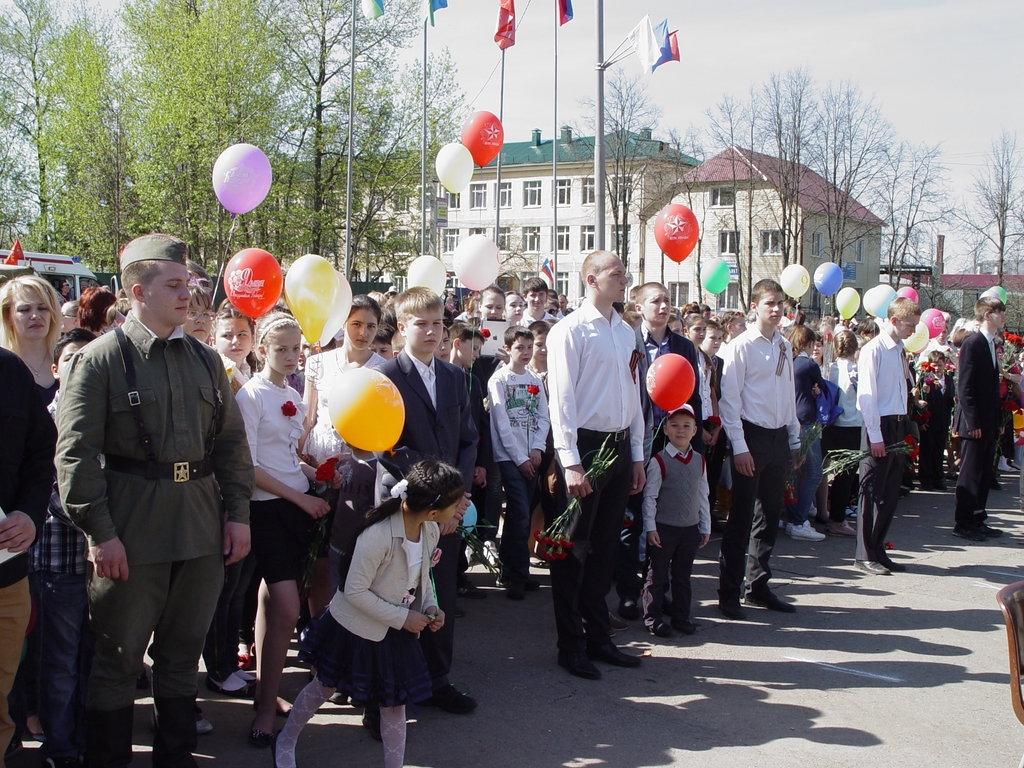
392, 726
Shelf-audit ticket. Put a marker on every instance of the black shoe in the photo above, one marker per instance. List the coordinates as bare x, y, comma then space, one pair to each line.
607, 652
371, 722
629, 610
12, 749
472, 592
870, 566
884, 561
577, 664
941, 487
971, 534
142, 682
660, 629
686, 627
732, 610
450, 699
771, 602
59, 762
260, 739
516, 590
531, 585
339, 699
989, 532
927, 487
995, 486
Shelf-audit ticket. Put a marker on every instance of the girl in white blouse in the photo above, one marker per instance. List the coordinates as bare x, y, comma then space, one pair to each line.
282, 511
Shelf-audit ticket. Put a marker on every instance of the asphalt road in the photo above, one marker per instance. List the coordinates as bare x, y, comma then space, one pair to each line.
902, 670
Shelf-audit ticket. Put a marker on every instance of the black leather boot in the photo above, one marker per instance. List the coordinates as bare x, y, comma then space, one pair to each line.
175, 738
108, 737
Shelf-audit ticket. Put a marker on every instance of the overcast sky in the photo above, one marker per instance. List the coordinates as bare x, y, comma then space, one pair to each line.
949, 73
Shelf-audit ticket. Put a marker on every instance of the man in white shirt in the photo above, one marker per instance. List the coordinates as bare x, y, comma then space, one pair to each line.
758, 412
883, 377
594, 385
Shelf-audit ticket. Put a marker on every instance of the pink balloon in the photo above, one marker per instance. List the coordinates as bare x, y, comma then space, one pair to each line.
907, 293
241, 177
935, 321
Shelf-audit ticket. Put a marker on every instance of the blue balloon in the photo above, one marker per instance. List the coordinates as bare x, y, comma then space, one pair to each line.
469, 519
828, 278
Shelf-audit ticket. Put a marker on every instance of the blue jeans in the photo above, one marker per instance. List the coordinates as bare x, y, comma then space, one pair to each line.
808, 480
67, 644
514, 549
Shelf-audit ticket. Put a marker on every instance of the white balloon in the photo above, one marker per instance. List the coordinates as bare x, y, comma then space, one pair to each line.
877, 299
339, 315
454, 166
795, 280
918, 340
477, 262
428, 272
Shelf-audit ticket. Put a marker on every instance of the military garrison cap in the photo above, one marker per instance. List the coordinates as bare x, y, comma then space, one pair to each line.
154, 248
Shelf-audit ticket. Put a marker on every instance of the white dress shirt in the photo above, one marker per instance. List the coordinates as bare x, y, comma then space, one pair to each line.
273, 437
590, 381
757, 386
426, 371
991, 347
881, 382
652, 487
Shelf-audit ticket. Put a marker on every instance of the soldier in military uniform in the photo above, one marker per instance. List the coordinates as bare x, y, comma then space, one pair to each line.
153, 464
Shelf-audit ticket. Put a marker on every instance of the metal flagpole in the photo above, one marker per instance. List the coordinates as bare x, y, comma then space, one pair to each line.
423, 153
348, 173
497, 192
599, 190
554, 162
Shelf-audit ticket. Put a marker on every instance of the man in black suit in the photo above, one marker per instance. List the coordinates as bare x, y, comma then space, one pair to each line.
653, 339
978, 420
439, 425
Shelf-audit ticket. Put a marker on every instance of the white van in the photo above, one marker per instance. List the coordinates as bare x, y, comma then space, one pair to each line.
68, 277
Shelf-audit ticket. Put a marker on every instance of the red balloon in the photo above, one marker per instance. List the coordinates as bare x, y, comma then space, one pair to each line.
253, 282
676, 231
483, 136
670, 381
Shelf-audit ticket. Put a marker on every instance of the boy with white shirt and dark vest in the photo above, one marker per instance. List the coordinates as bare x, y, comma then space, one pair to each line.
758, 412
677, 522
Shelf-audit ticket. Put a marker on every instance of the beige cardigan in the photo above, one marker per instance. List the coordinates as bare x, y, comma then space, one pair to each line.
379, 578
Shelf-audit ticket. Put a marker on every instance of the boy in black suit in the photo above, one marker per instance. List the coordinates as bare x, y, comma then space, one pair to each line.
439, 425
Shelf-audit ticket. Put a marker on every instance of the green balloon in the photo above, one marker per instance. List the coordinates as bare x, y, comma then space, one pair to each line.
714, 275
999, 291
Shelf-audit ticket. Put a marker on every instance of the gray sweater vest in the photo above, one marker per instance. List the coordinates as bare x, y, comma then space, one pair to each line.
678, 499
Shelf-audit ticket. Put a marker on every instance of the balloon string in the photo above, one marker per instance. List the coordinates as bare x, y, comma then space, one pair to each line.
223, 259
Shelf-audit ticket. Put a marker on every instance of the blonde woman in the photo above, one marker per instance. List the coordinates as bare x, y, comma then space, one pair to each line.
31, 323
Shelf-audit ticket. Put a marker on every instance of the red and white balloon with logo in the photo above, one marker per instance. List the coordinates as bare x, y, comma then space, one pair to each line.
253, 282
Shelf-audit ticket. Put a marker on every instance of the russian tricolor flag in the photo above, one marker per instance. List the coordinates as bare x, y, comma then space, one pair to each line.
564, 11
373, 9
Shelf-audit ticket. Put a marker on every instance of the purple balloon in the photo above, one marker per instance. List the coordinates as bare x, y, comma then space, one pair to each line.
241, 177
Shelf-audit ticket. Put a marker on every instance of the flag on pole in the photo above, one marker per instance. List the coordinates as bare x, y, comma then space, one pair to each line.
564, 11
645, 44
665, 48
673, 41
429, 6
373, 9
546, 273
16, 254
505, 35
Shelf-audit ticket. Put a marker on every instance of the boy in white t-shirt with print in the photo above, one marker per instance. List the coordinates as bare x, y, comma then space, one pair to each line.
519, 429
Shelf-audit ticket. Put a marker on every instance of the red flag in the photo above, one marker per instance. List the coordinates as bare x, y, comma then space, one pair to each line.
674, 43
16, 254
505, 36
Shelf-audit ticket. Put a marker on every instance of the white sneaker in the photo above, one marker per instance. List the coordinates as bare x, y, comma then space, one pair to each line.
244, 676
491, 553
1004, 465
804, 532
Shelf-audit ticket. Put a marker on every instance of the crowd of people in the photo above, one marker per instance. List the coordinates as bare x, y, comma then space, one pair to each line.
172, 471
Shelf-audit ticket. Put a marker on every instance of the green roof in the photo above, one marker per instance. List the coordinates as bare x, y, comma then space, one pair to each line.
581, 150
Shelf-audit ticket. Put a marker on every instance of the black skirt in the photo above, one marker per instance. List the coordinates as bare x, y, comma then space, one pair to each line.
389, 673
282, 535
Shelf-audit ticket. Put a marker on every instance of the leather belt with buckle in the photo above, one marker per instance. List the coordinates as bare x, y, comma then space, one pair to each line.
178, 471
616, 437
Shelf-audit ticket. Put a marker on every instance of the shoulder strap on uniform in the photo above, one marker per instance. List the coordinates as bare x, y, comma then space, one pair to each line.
134, 399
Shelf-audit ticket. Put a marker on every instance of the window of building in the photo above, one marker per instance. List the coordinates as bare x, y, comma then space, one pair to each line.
451, 240
771, 242
565, 191
729, 243
587, 238
454, 200
816, 240
477, 196
531, 239
722, 197
504, 238
679, 294
588, 191
732, 295
478, 231
858, 251
562, 241
505, 194
562, 283
621, 238
402, 203
531, 194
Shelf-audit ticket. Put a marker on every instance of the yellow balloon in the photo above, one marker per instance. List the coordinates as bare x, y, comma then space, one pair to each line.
367, 409
311, 291
1018, 421
847, 302
918, 340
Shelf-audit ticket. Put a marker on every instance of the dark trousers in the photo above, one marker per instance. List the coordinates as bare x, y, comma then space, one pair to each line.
514, 550
977, 468
628, 583
932, 454
754, 518
715, 459
439, 646
580, 583
879, 491
674, 558
835, 439
220, 653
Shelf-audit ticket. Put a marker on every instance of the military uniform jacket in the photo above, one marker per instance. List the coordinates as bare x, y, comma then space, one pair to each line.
157, 520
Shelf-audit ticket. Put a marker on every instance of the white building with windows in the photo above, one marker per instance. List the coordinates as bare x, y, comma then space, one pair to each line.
536, 219
750, 210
